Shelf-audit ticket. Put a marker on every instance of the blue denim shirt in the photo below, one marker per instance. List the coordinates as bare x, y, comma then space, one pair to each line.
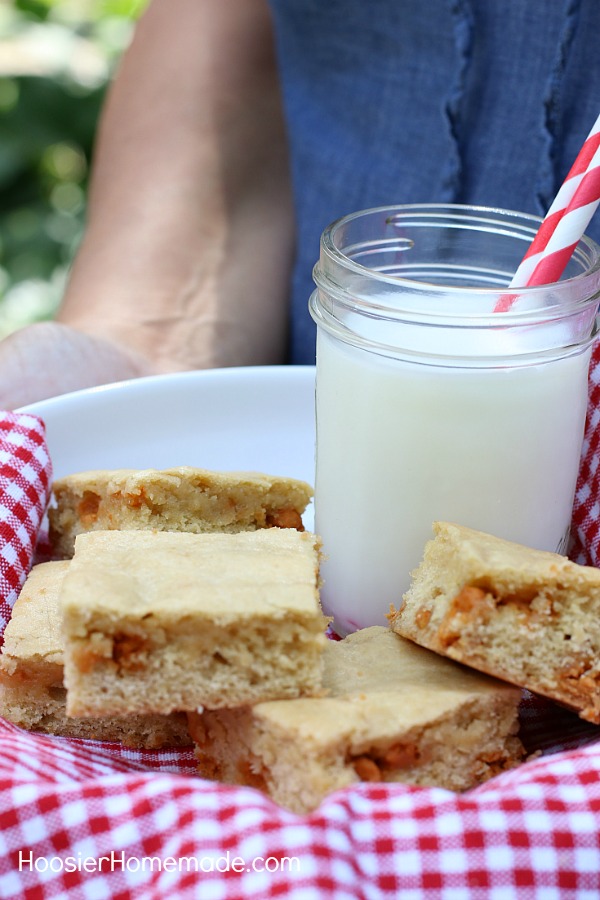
422, 101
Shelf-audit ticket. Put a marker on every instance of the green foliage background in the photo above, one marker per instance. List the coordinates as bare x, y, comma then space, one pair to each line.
56, 59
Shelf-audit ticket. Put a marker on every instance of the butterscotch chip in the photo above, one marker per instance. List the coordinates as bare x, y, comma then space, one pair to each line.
527, 616
164, 621
32, 694
393, 712
179, 499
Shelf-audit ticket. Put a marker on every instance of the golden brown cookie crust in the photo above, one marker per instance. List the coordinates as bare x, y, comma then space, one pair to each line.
164, 621
527, 616
392, 712
178, 499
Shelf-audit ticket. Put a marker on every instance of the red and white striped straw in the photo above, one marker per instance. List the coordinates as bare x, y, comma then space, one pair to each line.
564, 223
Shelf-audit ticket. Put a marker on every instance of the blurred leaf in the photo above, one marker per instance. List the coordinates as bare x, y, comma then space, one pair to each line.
11, 159
35, 9
9, 94
126, 8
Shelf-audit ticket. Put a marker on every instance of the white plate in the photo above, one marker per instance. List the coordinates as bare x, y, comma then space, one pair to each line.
254, 419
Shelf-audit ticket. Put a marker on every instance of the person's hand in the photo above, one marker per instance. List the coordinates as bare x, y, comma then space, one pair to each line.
50, 358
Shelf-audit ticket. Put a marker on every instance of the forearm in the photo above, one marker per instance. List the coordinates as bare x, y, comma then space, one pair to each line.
188, 246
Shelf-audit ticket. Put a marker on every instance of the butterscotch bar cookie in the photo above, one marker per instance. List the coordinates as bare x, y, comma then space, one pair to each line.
530, 617
32, 694
163, 621
180, 499
394, 712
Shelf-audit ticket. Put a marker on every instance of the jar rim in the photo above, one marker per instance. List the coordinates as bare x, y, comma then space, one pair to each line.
509, 223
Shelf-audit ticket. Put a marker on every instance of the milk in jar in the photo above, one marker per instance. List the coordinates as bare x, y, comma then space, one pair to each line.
428, 407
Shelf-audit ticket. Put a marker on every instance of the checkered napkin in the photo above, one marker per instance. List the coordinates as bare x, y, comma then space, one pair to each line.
585, 526
25, 472
80, 819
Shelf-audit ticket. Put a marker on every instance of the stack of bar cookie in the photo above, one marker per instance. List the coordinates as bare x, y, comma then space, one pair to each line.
148, 505
32, 691
189, 611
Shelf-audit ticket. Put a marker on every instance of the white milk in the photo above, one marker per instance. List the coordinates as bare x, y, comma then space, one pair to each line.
402, 444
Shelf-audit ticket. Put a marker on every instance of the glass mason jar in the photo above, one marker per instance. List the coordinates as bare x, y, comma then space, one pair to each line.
433, 405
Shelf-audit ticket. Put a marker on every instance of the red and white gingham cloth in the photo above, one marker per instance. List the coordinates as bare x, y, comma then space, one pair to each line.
88, 820
585, 527
25, 473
